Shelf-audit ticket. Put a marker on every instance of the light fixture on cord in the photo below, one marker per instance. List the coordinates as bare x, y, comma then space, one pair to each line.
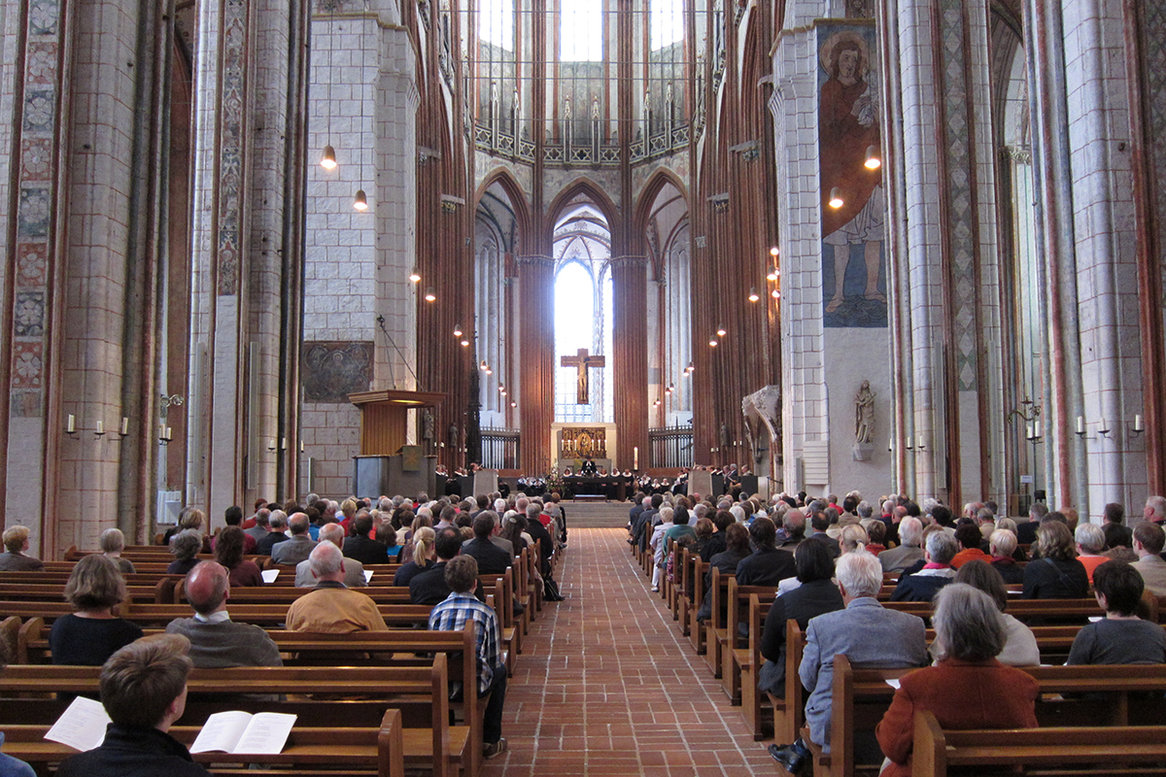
753, 296
713, 342
414, 276
836, 200
513, 403
721, 331
430, 296
360, 201
691, 368
773, 274
774, 252
873, 161
483, 366
457, 330
776, 293
465, 342
328, 158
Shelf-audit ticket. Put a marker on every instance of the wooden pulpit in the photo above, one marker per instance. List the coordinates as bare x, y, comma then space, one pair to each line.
384, 415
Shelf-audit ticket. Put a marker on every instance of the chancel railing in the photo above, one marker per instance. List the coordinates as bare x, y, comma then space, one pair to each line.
671, 447
500, 448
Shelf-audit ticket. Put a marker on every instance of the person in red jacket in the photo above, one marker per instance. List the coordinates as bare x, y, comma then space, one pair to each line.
967, 688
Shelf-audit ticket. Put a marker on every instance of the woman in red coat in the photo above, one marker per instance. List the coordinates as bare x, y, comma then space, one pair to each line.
968, 688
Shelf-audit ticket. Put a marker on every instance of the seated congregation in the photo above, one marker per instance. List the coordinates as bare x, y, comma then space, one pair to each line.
351, 590
978, 621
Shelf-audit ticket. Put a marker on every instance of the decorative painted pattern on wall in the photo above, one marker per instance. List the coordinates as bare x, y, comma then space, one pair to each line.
1154, 67
232, 143
334, 369
37, 117
960, 212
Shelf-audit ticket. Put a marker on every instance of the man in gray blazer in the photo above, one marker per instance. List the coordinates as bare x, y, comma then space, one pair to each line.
870, 635
298, 547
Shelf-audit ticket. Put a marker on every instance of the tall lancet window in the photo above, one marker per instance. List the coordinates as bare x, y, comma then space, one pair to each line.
497, 78
583, 295
581, 30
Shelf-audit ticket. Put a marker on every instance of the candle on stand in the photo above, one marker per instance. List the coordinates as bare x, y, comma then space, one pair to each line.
70, 423
1103, 427
100, 427
271, 443
169, 434
125, 426
283, 443
1139, 423
1080, 424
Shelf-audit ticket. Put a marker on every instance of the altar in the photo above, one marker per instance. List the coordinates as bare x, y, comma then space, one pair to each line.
572, 443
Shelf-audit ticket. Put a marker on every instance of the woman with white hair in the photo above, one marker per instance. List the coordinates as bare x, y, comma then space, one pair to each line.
967, 688
1090, 541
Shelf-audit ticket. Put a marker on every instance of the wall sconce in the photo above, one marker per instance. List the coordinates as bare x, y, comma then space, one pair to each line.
873, 161
99, 429
414, 275
890, 445
165, 434
513, 403
457, 330
283, 443
713, 342
71, 425
919, 444
721, 331
1080, 426
836, 200
271, 444
753, 295
124, 431
430, 295
1103, 427
1139, 425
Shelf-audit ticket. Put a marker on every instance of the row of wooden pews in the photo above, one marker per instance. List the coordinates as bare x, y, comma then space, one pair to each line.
1086, 712
368, 703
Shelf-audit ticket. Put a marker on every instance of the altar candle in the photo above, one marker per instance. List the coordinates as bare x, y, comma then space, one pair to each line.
71, 423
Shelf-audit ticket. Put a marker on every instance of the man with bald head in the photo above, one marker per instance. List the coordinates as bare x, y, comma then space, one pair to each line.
353, 569
331, 607
297, 548
215, 640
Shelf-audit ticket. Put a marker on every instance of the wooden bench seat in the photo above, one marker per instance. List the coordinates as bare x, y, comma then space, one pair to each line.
422, 695
1067, 750
375, 750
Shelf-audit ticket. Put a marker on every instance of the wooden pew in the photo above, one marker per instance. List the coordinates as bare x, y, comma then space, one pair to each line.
1118, 696
1068, 750
714, 628
736, 648
422, 697
361, 751
696, 633
400, 615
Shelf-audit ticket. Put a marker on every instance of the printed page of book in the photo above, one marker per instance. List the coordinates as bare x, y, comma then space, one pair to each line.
266, 734
222, 731
81, 726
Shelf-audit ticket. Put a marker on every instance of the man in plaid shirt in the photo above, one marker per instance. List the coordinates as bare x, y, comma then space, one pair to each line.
461, 575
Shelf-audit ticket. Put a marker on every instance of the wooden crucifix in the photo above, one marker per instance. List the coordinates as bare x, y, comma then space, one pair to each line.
581, 361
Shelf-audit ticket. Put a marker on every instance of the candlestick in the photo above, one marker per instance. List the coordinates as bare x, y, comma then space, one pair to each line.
100, 430
169, 434
1139, 423
125, 426
70, 424
283, 443
1080, 424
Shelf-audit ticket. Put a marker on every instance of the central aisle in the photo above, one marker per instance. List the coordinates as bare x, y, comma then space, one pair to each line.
606, 684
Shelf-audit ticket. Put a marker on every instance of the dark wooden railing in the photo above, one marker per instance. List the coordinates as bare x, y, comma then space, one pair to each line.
671, 447
500, 448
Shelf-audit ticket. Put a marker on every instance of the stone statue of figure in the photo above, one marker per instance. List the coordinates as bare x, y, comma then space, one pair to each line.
864, 413
453, 436
428, 430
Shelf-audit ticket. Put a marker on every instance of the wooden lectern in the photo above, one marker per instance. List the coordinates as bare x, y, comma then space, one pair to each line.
383, 417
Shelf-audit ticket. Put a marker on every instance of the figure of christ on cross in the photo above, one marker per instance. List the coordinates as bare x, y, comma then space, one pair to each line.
581, 361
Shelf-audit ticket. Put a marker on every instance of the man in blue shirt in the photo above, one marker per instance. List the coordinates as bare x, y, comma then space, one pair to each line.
461, 575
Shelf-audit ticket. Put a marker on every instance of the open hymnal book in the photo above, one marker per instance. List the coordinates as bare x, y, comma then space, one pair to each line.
82, 727
263, 733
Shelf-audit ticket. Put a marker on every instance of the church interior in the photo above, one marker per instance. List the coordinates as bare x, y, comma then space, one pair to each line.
897, 246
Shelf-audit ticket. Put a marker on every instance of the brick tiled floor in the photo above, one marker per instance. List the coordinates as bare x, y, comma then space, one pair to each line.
606, 684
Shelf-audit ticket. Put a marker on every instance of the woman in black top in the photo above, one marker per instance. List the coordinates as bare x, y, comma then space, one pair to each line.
93, 633
816, 595
1057, 574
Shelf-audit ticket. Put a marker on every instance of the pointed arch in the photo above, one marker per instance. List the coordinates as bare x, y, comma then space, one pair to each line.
589, 188
505, 179
660, 178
